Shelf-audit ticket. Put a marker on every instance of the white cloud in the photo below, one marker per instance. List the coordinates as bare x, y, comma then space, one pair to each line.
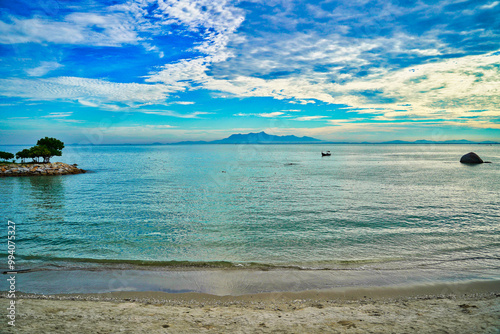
71, 120
88, 103
309, 118
477, 124
90, 92
58, 114
184, 103
271, 114
173, 113
490, 5
266, 115
455, 86
216, 21
44, 68
113, 29
302, 102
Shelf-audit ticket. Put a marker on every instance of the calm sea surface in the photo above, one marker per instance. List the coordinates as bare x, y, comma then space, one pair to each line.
365, 208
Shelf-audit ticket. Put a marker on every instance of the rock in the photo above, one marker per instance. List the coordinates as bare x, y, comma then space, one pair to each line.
348, 324
471, 158
57, 168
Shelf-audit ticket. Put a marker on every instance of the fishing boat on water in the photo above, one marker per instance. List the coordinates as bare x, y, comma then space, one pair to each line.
327, 154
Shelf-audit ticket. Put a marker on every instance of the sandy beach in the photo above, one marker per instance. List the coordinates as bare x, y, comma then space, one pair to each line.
459, 308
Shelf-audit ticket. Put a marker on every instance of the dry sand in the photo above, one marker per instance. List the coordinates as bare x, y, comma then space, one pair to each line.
385, 311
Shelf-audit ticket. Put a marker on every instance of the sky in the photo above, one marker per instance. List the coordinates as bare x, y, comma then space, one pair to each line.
144, 71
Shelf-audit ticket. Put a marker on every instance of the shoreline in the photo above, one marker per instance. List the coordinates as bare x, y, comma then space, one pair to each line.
232, 282
350, 293
472, 307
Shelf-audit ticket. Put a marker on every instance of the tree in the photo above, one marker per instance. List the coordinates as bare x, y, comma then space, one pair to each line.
54, 146
40, 151
24, 154
6, 156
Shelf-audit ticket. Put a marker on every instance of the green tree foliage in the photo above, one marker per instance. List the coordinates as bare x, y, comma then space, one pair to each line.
40, 151
53, 145
6, 155
24, 154
45, 148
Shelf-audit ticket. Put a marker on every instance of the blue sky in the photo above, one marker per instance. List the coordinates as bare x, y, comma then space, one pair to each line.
96, 72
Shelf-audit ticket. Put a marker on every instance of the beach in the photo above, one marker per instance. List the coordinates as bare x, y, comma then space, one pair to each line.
456, 308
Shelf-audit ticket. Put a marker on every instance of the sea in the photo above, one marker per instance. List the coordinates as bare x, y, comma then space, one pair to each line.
234, 219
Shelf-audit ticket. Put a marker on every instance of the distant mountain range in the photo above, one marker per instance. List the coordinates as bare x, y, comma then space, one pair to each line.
257, 138
264, 138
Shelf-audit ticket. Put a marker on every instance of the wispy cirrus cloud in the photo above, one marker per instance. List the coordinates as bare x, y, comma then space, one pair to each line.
113, 29
58, 114
90, 92
184, 103
44, 68
265, 115
309, 118
195, 114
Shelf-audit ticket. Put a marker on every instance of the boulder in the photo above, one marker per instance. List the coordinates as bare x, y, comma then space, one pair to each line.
471, 158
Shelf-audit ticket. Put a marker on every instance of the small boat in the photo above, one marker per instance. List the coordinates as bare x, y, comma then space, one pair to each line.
327, 154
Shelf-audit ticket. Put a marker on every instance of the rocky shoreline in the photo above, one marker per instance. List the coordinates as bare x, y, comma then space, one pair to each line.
30, 169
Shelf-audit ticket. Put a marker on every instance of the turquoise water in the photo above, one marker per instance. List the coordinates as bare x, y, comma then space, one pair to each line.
367, 207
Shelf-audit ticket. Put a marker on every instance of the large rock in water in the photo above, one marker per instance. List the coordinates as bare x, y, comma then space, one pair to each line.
471, 158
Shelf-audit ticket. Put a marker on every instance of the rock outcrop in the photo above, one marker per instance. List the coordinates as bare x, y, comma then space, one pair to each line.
56, 168
471, 158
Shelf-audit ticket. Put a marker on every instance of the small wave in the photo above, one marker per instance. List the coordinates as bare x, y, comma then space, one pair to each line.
432, 262
69, 263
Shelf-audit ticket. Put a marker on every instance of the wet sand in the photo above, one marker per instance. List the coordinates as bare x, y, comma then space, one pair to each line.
472, 307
